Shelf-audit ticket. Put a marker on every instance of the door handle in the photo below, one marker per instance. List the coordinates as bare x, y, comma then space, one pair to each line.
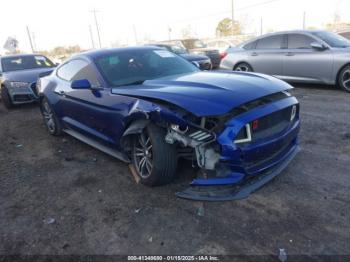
254, 54
290, 54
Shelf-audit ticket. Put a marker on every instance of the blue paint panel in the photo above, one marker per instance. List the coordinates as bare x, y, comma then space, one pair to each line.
229, 180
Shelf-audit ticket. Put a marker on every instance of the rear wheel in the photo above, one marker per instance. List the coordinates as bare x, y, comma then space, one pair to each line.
243, 67
51, 121
154, 160
344, 78
5, 97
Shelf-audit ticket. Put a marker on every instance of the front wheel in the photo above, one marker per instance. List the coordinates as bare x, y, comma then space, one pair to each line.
243, 67
5, 97
154, 160
344, 78
50, 119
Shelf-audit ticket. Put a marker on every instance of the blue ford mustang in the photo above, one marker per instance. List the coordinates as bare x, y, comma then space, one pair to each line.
149, 107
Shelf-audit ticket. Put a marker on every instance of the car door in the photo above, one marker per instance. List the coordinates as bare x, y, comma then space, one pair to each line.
92, 112
304, 63
267, 57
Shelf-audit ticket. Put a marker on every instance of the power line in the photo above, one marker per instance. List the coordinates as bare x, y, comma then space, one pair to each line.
258, 4
30, 39
227, 12
92, 38
233, 17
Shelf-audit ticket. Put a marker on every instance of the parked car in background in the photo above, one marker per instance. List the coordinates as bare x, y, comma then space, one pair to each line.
148, 107
202, 61
310, 56
198, 47
18, 76
221, 45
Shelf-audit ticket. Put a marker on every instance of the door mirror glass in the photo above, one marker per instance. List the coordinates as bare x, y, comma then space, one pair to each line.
318, 46
81, 84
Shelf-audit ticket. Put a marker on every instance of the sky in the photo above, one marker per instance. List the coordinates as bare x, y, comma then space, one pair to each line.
66, 22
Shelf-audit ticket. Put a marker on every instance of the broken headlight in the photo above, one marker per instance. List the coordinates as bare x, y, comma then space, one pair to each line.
244, 136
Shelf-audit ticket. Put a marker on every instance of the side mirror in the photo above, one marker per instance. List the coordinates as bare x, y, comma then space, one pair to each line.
81, 84
196, 64
318, 46
57, 64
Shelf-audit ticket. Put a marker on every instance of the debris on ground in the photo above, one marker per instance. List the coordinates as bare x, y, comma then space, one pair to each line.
137, 210
49, 220
19, 145
282, 256
200, 210
150, 239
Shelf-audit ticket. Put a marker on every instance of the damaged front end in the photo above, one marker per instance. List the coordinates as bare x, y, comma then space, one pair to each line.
241, 151
237, 152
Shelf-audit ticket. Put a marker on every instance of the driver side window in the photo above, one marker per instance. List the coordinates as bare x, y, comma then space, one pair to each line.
76, 70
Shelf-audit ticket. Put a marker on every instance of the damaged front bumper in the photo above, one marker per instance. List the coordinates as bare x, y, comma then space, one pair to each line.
228, 188
23, 95
242, 169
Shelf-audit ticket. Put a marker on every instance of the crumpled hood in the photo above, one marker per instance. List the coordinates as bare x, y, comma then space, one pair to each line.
207, 93
28, 75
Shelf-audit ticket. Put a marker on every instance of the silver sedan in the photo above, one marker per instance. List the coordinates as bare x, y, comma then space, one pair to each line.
307, 56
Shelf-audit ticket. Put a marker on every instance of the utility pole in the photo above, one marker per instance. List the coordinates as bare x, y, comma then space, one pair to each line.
304, 20
92, 38
97, 27
169, 32
233, 17
34, 42
261, 25
30, 39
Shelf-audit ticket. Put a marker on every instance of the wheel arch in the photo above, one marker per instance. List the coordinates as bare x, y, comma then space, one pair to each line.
339, 71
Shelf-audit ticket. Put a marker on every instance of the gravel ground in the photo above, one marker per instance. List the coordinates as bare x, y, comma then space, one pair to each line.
60, 196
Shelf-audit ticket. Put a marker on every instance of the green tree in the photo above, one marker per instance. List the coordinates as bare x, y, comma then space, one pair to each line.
224, 28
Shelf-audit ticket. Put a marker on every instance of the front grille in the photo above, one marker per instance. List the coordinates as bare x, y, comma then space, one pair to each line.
22, 98
271, 124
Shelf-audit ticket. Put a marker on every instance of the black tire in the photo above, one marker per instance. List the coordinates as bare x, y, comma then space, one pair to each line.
344, 78
163, 157
243, 67
5, 98
51, 121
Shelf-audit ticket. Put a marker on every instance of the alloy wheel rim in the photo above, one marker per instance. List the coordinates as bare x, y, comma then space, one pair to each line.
48, 117
346, 79
143, 155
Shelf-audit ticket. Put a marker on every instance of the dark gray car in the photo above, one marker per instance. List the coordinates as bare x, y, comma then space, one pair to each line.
18, 76
310, 56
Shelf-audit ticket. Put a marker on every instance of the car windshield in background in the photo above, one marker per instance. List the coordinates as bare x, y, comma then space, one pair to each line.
25, 62
134, 67
194, 43
178, 50
332, 39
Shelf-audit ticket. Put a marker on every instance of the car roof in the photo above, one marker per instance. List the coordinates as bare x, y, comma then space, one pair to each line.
280, 33
107, 51
19, 55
